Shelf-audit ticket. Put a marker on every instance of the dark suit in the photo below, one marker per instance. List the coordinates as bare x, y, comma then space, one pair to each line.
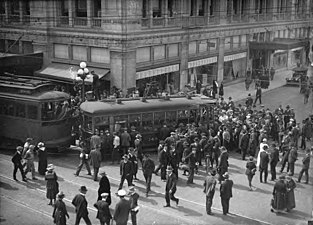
209, 190
148, 167
244, 145
126, 172
104, 187
226, 194
133, 200
292, 158
81, 204
121, 212
170, 186
305, 168
274, 159
16, 159
103, 214
263, 167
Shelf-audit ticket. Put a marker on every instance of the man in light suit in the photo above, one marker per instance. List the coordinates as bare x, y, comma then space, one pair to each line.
226, 193
95, 161
122, 209
81, 204
209, 190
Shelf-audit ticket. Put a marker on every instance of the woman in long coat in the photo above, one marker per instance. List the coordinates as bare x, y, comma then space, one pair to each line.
290, 197
60, 213
221, 90
104, 187
42, 159
52, 184
279, 194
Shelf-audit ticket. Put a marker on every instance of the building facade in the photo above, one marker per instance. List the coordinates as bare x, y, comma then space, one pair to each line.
172, 42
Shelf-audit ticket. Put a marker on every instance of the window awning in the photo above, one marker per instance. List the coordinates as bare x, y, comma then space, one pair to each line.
278, 44
67, 73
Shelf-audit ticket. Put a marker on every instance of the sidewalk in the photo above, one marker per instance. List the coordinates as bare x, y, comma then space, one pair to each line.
238, 91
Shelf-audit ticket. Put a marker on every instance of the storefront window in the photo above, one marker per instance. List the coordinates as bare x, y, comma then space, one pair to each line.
159, 52
213, 45
192, 47
235, 42
228, 43
243, 41
203, 45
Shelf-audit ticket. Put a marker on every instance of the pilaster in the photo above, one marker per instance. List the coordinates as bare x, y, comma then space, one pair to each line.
183, 64
21, 10
71, 12
223, 11
292, 4
89, 13
7, 10
220, 60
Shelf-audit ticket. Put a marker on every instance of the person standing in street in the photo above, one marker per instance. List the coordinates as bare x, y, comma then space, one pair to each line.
60, 212
258, 95
30, 158
191, 158
226, 193
262, 163
126, 172
52, 185
292, 158
116, 148
103, 214
95, 139
274, 159
84, 159
125, 141
134, 208
17, 161
95, 161
122, 209
290, 196
170, 187
81, 204
221, 90
209, 190
222, 167
104, 187
42, 158
272, 73
148, 167
250, 171
279, 195
305, 166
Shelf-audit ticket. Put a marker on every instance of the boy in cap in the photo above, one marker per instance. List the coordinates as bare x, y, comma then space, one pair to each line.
103, 214
17, 161
122, 209
81, 204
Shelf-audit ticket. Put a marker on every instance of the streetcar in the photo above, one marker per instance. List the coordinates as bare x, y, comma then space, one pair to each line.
29, 107
146, 115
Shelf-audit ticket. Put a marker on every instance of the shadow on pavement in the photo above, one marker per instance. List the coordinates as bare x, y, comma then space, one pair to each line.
7, 186
188, 211
246, 188
294, 214
234, 219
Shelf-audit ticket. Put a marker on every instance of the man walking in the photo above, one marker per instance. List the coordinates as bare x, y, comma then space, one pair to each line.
122, 209
95, 161
83, 157
81, 204
226, 192
103, 214
305, 167
126, 172
134, 208
192, 164
30, 157
148, 167
17, 161
125, 141
170, 187
258, 95
209, 190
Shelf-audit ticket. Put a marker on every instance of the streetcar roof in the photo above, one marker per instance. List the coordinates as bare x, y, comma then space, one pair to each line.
137, 106
43, 96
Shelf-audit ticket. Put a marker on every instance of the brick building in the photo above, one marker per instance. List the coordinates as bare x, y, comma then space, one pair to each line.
172, 42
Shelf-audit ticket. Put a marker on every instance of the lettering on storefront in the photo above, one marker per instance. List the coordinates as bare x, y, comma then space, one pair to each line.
201, 62
157, 71
235, 56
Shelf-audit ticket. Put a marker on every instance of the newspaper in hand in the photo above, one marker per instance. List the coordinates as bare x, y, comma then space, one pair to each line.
136, 209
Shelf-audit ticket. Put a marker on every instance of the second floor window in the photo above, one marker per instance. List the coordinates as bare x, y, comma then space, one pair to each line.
157, 8
81, 8
15, 8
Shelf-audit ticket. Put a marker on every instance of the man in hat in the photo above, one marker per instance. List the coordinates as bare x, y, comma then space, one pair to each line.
26, 146
170, 187
133, 133
209, 190
191, 158
226, 192
95, 161
116, 147
84, 159
60, 212
42, 158
249, 101
164, 132
292, 158
17, 161
126, 172
80, 203
262, 163
305, 166
274, 159
95, 139
133, 200
122, 209
258, 95
125, 141
148, 167
104, 187
133, 159
222, 163
139, 147
171, 140
103, 214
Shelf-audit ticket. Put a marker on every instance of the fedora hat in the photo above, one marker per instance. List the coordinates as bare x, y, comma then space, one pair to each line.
50, 167
83, 189
121, 193
104, 194
169, 168
226, 175
61, 194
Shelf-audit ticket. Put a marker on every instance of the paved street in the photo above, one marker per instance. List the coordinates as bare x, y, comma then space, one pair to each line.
245, 207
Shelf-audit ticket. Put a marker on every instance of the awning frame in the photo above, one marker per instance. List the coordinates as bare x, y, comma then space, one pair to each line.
278, 44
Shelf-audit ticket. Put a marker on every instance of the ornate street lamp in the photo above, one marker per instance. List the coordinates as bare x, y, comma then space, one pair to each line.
82, 74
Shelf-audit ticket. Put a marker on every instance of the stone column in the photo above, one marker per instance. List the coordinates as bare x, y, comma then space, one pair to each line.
89, 13
183, 68
220, 60
123, 69
165, 12
252, 10
150, 13
292, 9
222, 11
42, 47
71, 12
21, 10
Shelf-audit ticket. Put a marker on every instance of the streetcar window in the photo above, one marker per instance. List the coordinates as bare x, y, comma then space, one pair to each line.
54, 110
88, 123
147, 122
135, 120
123, 120
20, 110
171, 117
159, 118
47, 111
193, 115
183, 116
9, 109
2, 107
32, 112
